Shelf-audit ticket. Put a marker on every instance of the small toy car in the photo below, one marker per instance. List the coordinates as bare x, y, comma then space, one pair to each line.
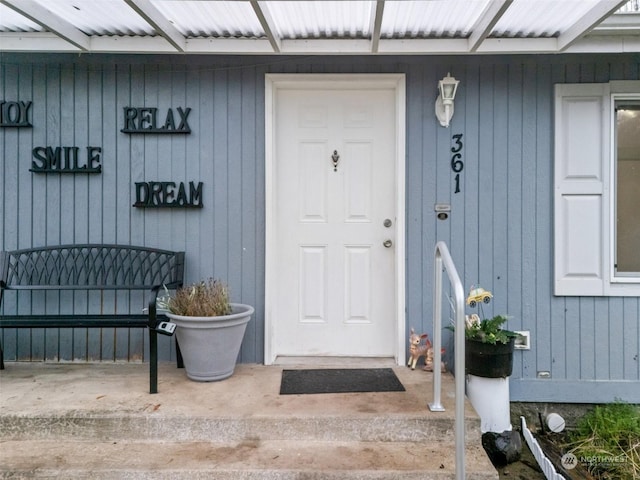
478, 294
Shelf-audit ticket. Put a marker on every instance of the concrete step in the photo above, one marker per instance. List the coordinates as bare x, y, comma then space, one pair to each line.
251, 459
99, 422
110, 401
313, 427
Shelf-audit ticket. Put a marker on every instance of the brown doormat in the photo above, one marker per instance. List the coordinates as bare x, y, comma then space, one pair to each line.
339, 380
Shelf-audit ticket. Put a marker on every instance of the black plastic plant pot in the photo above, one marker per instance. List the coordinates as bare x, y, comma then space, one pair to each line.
487, 360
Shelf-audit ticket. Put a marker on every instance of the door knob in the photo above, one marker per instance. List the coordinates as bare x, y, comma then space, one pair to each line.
387, 243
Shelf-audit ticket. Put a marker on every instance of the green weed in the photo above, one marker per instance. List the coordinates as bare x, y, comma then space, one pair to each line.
607, 441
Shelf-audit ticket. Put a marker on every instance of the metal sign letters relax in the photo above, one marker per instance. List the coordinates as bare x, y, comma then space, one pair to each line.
145, 120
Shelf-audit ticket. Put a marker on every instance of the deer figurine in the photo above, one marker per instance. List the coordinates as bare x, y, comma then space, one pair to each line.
428, 361
417, 349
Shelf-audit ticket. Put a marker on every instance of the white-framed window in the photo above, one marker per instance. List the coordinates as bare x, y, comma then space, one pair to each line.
597, 189
626, 177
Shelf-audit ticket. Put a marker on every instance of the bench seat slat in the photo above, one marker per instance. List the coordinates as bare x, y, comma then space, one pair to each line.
73, 321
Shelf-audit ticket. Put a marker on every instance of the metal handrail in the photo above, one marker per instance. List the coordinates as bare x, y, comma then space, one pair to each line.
442, 256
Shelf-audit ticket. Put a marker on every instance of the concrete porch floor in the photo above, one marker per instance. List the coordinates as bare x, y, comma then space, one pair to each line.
99, 421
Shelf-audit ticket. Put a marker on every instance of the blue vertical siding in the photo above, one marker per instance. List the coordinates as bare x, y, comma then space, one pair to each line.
499, 230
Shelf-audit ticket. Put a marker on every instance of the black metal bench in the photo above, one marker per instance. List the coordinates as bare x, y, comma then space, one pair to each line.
89, 268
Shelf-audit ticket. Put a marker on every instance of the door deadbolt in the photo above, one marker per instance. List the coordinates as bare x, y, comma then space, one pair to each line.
387, 222
387, 243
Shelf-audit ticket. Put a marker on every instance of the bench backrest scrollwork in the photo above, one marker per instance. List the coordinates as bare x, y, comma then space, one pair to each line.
90, 267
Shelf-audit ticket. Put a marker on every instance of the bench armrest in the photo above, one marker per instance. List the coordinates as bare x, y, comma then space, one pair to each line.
153, 312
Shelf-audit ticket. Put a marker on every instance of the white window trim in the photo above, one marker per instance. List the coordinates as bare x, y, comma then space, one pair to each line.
584, 261
619, 91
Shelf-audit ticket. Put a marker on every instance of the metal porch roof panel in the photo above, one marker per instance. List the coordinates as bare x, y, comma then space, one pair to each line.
541, 18
221, 19
431, 19
12, 21
314, 19
94, 17
320, 26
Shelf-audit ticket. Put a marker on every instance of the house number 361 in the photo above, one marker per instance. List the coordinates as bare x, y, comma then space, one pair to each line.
457, 165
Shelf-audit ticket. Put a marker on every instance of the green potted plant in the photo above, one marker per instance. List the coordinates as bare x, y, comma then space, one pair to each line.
488, 347
209, 328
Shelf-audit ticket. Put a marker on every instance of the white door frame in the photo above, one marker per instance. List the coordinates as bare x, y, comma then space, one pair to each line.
274, 82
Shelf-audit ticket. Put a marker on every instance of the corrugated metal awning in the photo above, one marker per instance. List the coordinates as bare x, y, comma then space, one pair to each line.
320, 26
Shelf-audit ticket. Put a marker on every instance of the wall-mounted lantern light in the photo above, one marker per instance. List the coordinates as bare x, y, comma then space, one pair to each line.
444, 103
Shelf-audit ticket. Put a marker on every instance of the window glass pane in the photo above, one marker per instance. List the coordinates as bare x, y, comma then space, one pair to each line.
628, 186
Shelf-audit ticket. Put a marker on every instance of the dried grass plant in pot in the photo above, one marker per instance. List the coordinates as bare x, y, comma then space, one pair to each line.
209, 329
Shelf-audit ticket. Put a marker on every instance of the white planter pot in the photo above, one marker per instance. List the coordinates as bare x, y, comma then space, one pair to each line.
210, 345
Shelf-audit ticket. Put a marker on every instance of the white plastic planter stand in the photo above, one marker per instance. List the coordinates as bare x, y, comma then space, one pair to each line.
490, 398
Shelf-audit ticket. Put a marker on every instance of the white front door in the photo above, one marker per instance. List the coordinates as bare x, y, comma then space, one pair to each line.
335, 222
